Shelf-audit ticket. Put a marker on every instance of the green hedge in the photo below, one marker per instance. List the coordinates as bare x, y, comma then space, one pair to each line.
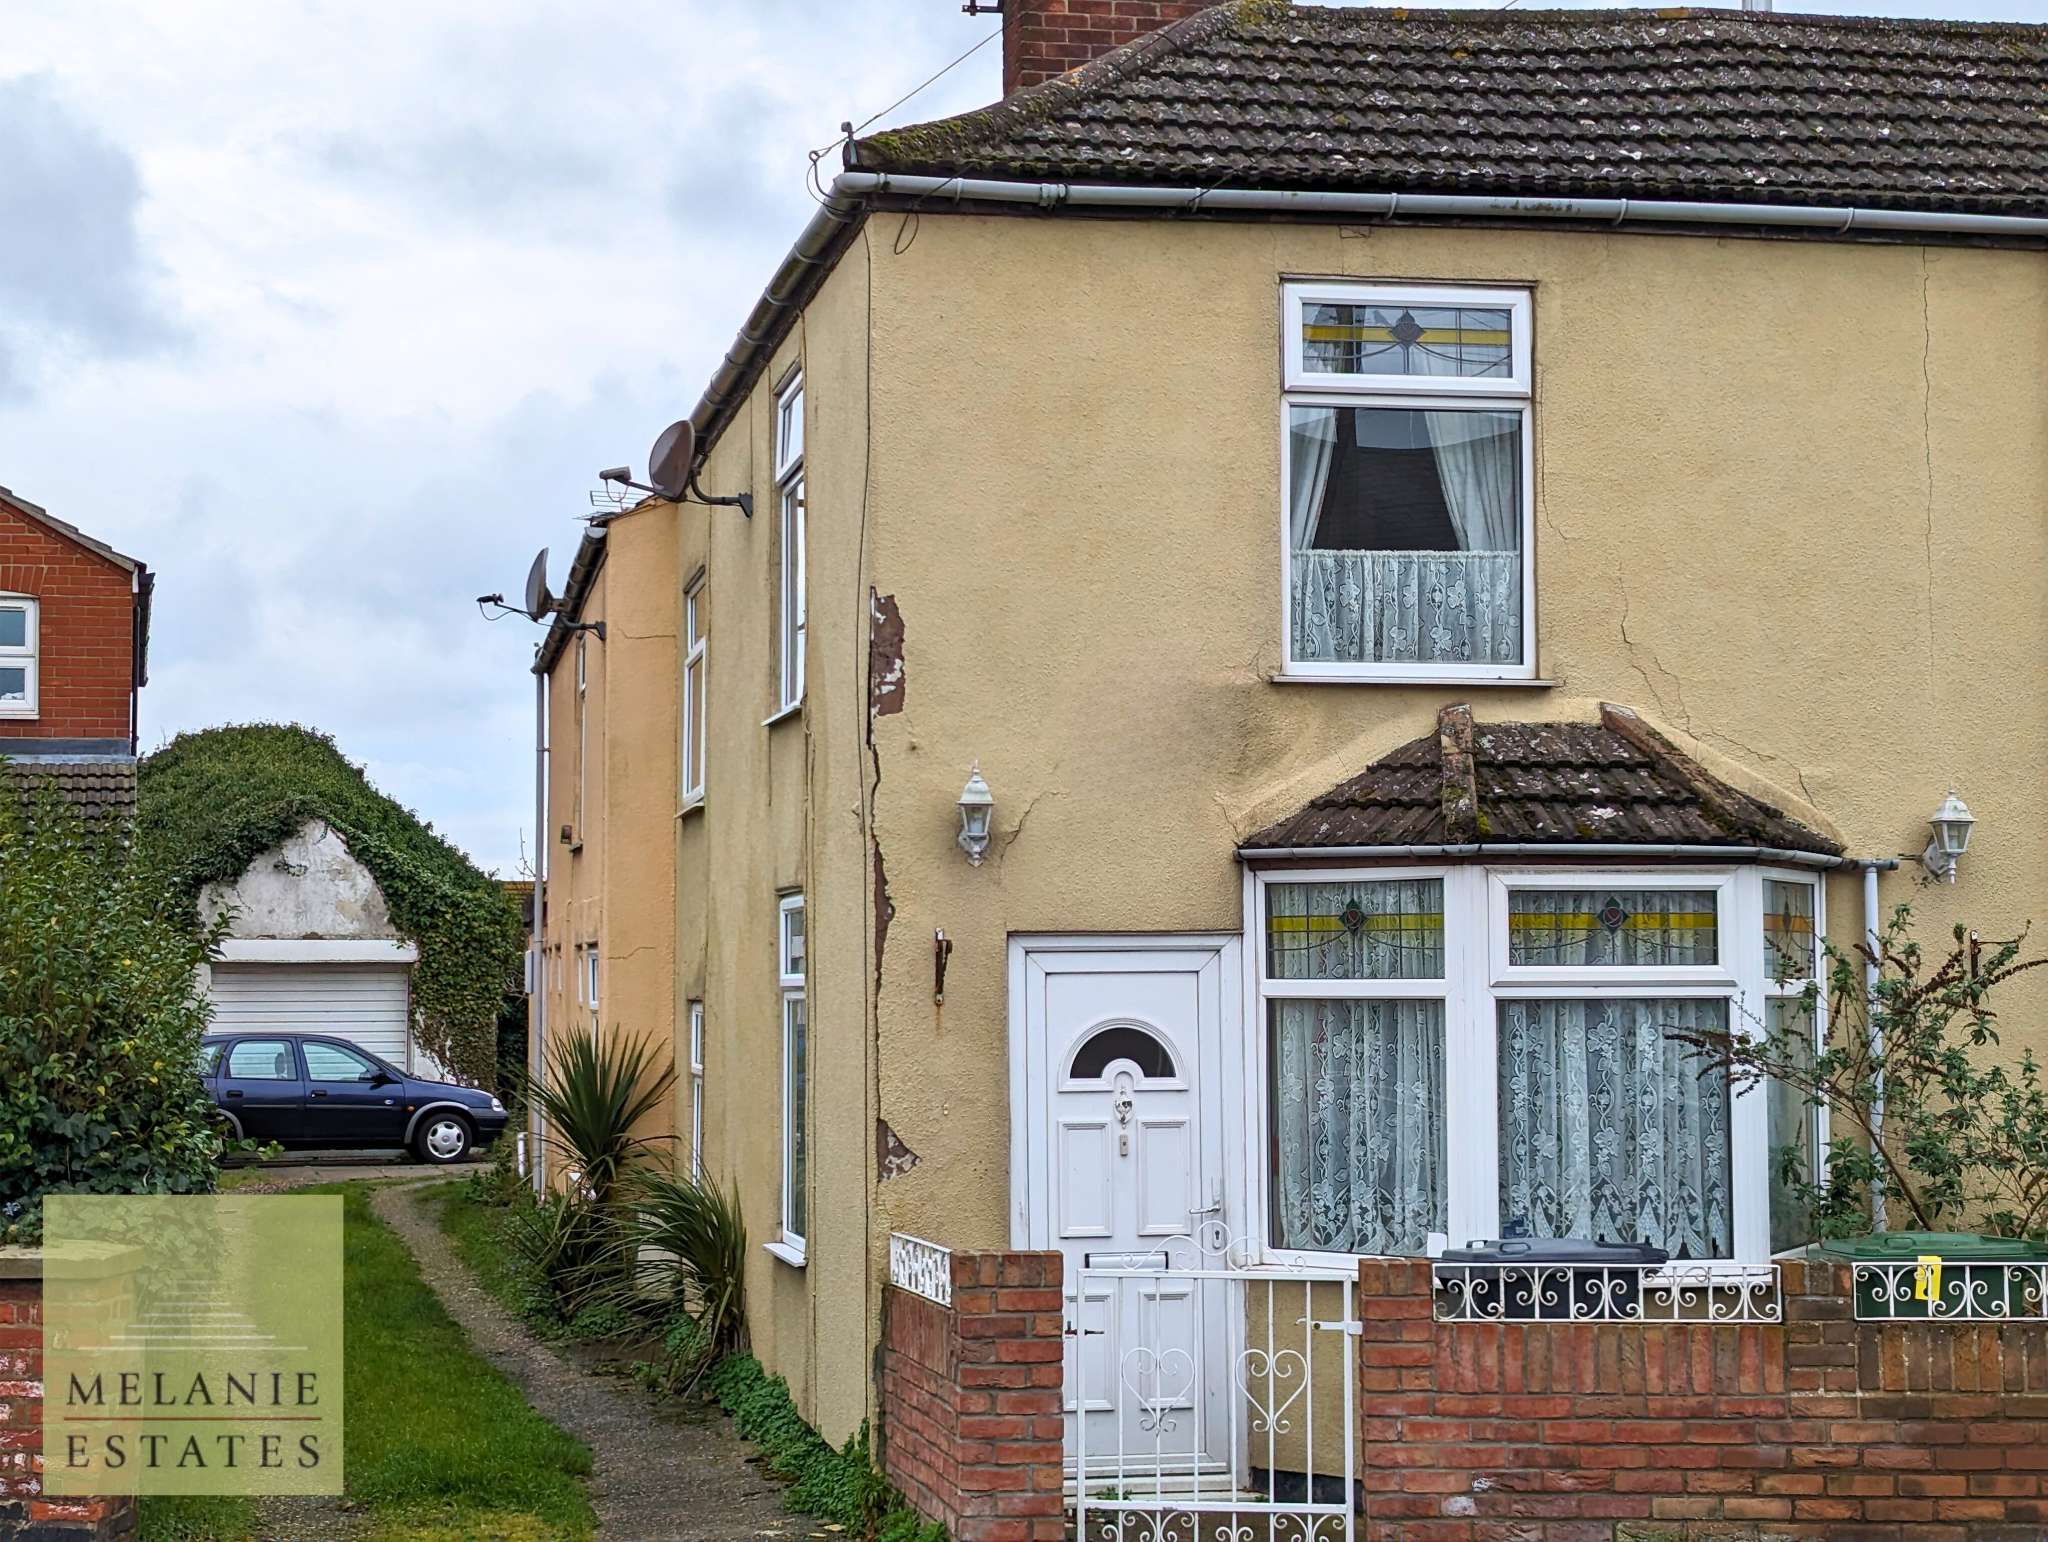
210, 803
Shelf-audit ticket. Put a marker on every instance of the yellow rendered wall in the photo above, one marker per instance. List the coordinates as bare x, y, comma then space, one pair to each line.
1788, 506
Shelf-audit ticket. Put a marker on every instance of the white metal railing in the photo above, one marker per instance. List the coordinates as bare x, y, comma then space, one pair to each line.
1565, 1292
1950, 1291
1211, 1401
920, 1267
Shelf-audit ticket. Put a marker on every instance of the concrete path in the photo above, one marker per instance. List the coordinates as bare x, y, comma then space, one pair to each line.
661, 1473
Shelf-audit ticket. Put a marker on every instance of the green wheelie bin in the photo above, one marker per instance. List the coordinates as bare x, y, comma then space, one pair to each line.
1908, 1275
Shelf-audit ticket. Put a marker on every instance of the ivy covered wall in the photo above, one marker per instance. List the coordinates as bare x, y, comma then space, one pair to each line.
209, 803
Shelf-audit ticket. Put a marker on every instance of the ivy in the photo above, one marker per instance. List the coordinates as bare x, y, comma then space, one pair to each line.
210, 803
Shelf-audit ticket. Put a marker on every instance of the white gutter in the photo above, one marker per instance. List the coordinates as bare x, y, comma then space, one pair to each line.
850, 188
1561, 849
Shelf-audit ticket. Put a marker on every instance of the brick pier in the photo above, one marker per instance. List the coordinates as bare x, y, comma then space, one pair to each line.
971, 1425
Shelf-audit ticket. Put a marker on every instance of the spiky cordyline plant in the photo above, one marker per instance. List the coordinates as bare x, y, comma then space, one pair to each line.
589, 1102
700, 1228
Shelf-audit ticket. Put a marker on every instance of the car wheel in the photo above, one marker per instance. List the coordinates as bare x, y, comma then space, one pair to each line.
443, 1138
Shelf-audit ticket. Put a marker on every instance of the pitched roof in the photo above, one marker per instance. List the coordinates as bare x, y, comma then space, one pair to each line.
10, 499
1724, 106
1615, 782
99, 789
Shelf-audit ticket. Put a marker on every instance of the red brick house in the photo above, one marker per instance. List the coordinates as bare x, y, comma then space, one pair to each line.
74, 653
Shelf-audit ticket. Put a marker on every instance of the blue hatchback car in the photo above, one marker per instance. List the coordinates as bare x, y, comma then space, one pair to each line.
309, 1091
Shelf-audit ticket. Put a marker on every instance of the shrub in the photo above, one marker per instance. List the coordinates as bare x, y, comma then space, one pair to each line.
700, 1237
100, 1019
593, 1096
1926, 1120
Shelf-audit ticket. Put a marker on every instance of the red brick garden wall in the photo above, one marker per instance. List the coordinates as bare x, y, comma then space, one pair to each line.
1823, 1427
24, 1513
971, 1422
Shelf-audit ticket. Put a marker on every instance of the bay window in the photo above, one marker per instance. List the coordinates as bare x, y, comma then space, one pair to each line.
1471, 1053
1407, 471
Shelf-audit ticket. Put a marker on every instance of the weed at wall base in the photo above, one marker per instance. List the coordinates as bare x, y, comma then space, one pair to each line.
840, 1486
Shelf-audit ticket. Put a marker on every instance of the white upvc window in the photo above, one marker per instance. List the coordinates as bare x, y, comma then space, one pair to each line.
1461, 1053
1795, 1002
19, 616
697, 1091
789, 483
1407, 469
582, 731
695, 641
795, 1081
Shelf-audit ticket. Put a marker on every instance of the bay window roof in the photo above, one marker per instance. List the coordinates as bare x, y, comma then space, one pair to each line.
1616, 782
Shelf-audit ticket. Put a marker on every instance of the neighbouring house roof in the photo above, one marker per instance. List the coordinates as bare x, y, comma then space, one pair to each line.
99, 789
1708, 105
1615, 782
42, 516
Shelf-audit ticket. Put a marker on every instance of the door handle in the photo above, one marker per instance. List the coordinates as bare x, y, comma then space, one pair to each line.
234, 1092
319, 1092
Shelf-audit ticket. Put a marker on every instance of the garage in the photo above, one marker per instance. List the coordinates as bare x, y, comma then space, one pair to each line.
358, 1002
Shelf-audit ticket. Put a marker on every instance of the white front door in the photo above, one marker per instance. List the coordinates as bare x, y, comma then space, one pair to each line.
1118, 1094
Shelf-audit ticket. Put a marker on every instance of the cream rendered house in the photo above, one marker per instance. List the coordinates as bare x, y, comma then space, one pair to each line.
1457, 542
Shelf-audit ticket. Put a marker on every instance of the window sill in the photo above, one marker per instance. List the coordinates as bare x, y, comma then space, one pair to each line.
693, 806
791, 1253
794, 709
1479, 682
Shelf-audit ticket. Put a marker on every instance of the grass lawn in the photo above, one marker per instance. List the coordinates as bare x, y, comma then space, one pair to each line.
438, 1445
473, 1228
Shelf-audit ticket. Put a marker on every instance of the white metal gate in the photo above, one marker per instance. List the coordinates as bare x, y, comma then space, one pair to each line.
1211, 1403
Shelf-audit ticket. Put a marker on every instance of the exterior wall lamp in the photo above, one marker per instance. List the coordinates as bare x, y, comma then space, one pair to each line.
1951, 838
977, 804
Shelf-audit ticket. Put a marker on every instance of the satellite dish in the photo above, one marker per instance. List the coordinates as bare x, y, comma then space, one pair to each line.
538, 601
668, 463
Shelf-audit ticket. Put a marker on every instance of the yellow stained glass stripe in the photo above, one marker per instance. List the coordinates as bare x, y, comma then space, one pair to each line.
1799, 925
1585, 921
1415, 922
1436, 336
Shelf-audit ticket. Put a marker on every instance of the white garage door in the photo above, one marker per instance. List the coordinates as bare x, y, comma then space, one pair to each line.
362, 1003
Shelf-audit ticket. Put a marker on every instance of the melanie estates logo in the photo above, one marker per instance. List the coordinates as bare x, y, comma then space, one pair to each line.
192, 1344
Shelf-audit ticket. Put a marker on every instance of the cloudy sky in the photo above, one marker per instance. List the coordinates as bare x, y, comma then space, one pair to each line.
329, 310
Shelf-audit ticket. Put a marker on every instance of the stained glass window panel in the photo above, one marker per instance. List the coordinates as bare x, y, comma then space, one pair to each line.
1612, 928
1788, 929
1461, 340
1355, 931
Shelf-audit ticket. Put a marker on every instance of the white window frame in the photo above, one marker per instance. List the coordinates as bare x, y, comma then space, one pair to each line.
1475, 979
1820, 1131
582, 732
27, 657
696, 1016
791, 1247
694, 668
1512, 393
789, 485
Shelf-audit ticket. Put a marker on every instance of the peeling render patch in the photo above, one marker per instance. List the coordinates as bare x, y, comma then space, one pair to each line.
885, 655
885, 912
892, 1158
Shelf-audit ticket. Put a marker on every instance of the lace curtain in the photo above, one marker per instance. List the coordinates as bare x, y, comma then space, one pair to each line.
1358, 1125
1608, 1128
1408, 607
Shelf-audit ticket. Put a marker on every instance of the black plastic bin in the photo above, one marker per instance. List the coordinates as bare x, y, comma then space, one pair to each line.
1549, 1278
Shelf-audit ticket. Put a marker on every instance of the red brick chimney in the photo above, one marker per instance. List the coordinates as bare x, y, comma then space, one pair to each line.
1045, 38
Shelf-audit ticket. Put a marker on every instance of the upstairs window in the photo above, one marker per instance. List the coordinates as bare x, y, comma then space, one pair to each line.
17, 656
789, 482
1407, 468
693, 694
